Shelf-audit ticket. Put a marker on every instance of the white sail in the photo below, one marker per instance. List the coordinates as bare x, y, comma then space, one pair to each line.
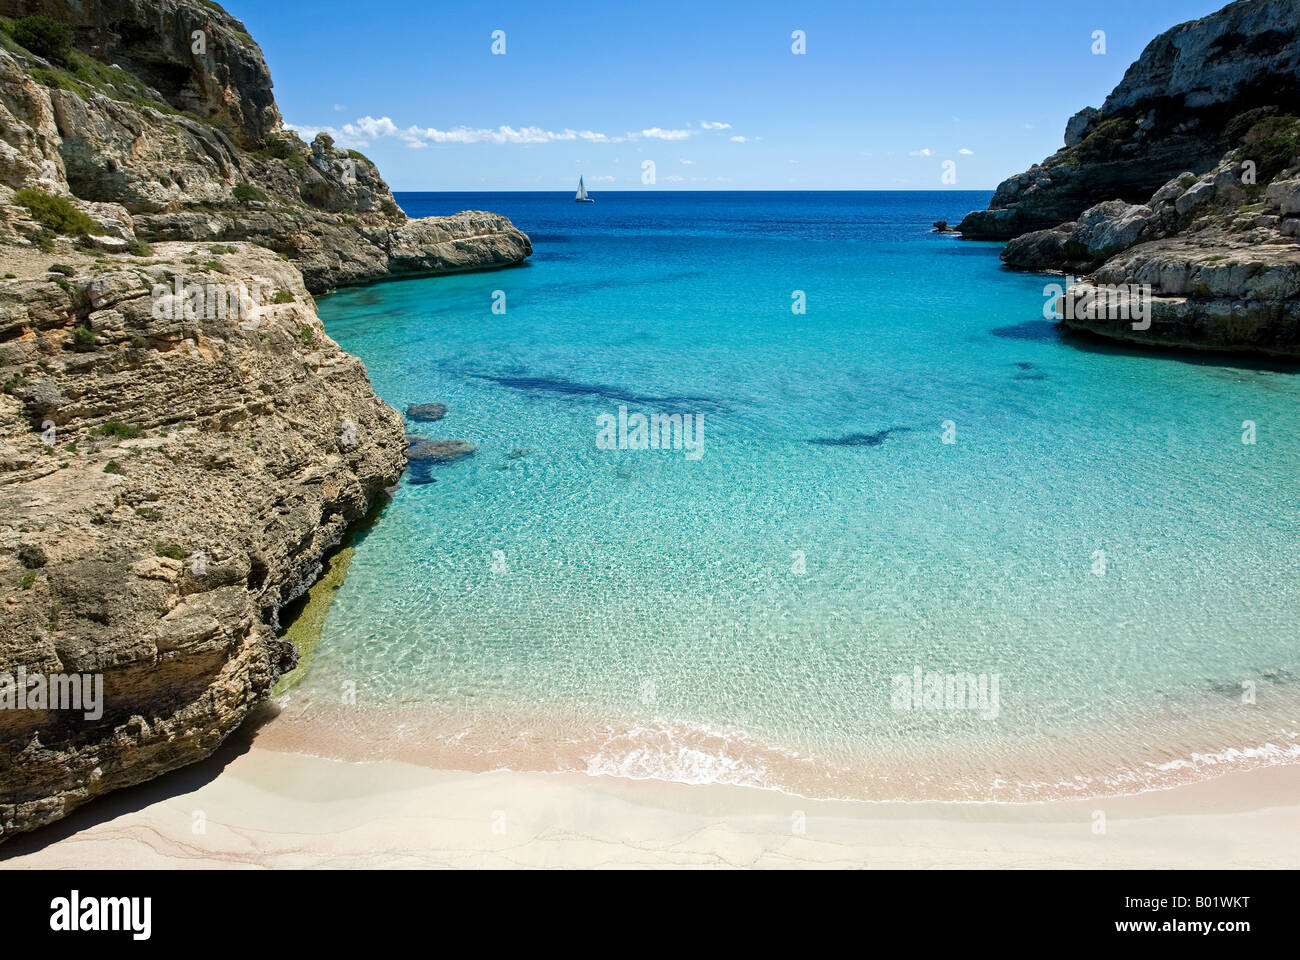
582, 191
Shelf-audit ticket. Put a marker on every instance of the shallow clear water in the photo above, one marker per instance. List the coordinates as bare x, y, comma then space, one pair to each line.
742, 616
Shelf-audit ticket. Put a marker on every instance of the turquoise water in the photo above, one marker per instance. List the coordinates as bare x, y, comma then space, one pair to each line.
741, 616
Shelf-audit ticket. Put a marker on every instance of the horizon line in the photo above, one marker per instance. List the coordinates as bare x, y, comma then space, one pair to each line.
567, 190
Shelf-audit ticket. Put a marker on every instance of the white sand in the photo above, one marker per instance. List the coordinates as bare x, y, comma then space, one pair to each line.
269, 809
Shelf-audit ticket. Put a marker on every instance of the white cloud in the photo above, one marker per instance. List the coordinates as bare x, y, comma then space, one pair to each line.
655, 133
707, 125
737, 139
674, 179
966, 153
365, 130
688, 162
923, 152
339, 108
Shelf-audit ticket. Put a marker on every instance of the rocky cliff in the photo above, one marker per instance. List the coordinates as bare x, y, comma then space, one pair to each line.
155, 119
1186, 180
181, 444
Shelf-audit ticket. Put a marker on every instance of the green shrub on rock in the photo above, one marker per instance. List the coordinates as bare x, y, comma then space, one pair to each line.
246, 193
1273, 144
50, 39
54, 213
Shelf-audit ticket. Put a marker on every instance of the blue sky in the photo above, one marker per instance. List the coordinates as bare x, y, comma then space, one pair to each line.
885, 93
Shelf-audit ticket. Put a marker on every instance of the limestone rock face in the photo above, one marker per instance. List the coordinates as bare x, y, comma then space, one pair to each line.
1172, 111
1080, 125
181, 444
1110, 227
468, 241
227, 84
168, 482
192, 147
1285, 195
1208, 121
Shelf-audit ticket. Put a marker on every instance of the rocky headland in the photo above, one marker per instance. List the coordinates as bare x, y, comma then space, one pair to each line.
181, 444
1184, 185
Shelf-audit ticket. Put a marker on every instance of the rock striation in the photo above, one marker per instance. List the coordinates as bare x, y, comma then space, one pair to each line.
181, 443
1183, 182
169, 480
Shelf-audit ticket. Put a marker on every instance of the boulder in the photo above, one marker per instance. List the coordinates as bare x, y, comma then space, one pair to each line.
1109, 227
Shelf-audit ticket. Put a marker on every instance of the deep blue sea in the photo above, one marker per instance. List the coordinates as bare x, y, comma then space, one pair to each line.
922, 545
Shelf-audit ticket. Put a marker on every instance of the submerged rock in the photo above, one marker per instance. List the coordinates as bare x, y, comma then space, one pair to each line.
439, 451
426, 411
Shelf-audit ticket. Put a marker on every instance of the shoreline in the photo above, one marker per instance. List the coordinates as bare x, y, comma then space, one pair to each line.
259, 807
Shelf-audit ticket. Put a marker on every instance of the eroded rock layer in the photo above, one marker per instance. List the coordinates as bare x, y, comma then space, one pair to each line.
1185, 184
181, 444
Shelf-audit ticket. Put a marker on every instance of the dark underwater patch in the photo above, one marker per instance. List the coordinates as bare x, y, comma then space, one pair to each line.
1037, 331
860, 439
575, 388
1027, 371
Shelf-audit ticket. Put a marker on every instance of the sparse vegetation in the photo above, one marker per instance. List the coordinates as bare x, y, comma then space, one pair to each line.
113, 467
62, 268
15, 383
305, 334
139, 248
54, 213
48, 39
1273, 144
169, 550
83, 336
122, 431
287, 147
282, 296
1240, 125
1106, 140
28, 579
248, 193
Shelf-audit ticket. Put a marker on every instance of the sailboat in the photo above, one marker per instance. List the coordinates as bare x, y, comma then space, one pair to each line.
581, 195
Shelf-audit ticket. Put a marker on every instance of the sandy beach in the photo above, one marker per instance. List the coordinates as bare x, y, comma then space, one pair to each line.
251, 807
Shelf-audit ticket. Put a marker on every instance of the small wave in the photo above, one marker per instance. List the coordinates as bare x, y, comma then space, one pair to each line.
1268, 753
681, 754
